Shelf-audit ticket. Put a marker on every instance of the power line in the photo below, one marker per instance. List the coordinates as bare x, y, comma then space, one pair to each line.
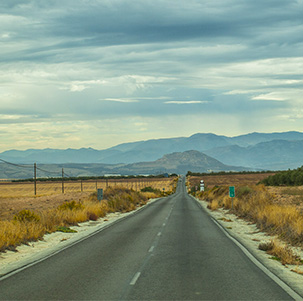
38, 168
50, 172
18, 165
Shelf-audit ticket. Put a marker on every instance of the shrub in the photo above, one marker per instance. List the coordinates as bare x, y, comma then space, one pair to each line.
147, 189
288, 177
244, 191
72, 205
92, 216
281, 253
26, 216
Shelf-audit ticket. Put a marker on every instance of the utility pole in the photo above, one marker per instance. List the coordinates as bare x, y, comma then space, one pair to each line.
35, 178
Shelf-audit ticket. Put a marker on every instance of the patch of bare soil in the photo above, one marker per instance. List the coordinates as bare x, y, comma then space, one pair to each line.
10, 206
288, 196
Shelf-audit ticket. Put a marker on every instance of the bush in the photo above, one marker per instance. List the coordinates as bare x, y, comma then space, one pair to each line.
281, 253
150, 189
288, 178
244, 191
72, 205
26, 216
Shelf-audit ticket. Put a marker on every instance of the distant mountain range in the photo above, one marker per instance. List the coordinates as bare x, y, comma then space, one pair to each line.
179, 163
272, 151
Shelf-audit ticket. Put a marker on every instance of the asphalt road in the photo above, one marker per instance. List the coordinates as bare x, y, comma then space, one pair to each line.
171, 250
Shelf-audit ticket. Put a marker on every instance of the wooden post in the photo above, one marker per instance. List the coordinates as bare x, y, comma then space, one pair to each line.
35, 178
62, 180
81, 186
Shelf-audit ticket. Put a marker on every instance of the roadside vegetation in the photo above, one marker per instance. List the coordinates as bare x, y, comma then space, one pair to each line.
285, 178
27, 225
257, 205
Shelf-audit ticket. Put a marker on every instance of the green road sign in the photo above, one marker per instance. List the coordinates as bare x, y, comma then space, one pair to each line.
100, 194
232, 191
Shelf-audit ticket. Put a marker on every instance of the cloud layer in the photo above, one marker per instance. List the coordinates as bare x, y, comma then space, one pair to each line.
100, 72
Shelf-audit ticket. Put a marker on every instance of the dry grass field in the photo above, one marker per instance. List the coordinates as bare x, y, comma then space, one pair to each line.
275, 210
15, 196
229, 179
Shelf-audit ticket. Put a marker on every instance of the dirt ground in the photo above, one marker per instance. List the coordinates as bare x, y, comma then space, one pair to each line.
288, 196
10, 206
229, 180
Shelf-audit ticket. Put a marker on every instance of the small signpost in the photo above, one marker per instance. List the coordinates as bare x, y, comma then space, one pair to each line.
231, 191
100, 194
202, 185
232, 194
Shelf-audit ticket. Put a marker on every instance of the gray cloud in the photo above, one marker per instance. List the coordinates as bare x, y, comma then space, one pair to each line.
84, 60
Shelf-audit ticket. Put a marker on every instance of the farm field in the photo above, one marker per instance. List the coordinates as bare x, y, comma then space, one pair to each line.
16, 196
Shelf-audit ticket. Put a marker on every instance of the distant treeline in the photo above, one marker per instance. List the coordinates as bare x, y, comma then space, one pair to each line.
189, 173
86, 178
288, 178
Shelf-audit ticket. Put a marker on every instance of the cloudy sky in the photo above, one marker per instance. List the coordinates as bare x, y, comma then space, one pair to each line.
96, 73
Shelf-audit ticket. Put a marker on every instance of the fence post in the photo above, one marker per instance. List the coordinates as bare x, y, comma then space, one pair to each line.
62, 180
35, 178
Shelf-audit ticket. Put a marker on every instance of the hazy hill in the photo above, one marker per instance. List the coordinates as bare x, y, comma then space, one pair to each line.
256, 150
178, 162
272, 155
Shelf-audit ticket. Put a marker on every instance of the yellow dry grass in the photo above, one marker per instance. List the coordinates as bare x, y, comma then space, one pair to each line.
20, 189
17, 196
31, 226
281, 252
256, 204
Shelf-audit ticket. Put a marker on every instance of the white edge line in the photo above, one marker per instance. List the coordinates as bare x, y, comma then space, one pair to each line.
135, 278
276, 279
262, 267
71, 244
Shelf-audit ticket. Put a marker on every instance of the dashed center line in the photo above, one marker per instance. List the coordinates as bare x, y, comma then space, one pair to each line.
135, 278
160, 233
151, 249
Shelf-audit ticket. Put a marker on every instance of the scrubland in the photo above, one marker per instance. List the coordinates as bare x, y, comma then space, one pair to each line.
31, 225
43, 188
259, 205
15, 197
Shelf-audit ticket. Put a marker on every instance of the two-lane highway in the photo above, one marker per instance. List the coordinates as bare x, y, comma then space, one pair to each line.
171, 250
